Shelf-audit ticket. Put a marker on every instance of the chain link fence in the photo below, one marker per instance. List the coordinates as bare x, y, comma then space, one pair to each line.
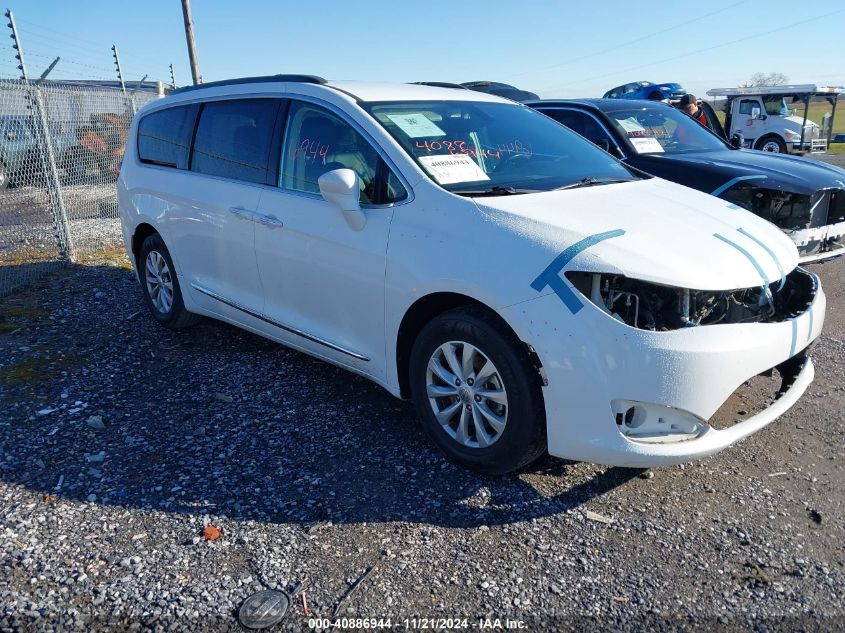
61, 144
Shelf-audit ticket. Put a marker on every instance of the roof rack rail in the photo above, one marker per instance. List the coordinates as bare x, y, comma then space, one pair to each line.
439, 84
304, 79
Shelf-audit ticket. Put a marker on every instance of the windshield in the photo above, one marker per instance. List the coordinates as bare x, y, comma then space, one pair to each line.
776, 106
475, 147
662, 129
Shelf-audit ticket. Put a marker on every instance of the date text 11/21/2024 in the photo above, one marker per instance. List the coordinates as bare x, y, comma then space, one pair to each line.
418, 624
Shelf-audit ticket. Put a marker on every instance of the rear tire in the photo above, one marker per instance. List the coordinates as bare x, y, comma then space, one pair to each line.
160, 285
771, 143
477, 393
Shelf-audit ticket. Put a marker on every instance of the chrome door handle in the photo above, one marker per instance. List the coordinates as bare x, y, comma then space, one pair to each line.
242, 213
269, 220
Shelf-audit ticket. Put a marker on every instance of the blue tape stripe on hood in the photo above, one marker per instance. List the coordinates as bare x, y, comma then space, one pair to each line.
551, 275
771, 254
733, 181
748, 256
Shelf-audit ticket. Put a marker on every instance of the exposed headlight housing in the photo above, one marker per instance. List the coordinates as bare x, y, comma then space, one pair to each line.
785, 209
649, 306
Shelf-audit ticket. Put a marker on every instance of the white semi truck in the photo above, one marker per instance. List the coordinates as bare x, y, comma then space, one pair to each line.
763, 117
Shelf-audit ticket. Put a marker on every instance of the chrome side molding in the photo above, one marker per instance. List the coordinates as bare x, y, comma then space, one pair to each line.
315, 339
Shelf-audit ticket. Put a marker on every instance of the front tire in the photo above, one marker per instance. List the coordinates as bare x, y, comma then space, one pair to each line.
771, 143
160, 285
477, 393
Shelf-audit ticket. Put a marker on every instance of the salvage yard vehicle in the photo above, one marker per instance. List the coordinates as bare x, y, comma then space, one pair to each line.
500, 90
100, 144
646, 90
525, 289
20, 157
763, 117
806, 199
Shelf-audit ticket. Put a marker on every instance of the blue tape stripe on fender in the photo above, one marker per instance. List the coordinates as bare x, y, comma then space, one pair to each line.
810, 329
771, 254
733, 181
794, 325
748, 256
551, 275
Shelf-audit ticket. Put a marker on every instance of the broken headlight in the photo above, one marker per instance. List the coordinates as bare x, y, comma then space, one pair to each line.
788, 211
650, 306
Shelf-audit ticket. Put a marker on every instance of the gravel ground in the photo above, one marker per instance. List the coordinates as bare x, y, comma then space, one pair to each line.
121, 441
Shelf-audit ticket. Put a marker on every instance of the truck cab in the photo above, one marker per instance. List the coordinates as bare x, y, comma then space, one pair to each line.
766, 122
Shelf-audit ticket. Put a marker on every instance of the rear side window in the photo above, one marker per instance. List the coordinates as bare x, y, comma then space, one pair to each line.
233, 139
165, 136
582, 123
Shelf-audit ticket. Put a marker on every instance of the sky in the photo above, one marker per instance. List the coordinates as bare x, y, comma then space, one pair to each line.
557, 49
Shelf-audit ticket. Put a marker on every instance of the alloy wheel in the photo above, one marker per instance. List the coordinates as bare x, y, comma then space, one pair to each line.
159, 282
467, 394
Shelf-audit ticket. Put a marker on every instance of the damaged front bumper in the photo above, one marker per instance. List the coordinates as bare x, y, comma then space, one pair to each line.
606, 379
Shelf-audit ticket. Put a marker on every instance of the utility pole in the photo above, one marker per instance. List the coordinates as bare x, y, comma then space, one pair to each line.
192, 45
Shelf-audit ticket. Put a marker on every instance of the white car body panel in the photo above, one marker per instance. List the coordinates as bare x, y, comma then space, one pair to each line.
313, 283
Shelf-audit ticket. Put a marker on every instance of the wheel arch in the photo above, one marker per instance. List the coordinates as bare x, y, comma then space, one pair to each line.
424, 310
142, 232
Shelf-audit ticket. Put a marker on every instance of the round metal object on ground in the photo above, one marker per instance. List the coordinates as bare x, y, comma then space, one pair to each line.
263, 609
159, 282
467, 394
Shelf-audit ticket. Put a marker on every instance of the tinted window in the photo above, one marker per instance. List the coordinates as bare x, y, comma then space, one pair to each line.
582, 123
164, 136
318, 141
234, 138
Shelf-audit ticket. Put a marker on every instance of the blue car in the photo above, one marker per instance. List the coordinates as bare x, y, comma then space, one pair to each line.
646, 90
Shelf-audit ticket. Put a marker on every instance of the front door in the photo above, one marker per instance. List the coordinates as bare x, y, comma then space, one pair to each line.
323, 280
744, 121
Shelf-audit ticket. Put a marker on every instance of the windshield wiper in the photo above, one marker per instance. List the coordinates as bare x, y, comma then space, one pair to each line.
496, 190
590, 181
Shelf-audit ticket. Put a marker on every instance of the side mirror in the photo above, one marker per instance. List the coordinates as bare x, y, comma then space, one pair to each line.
737, 141
756, 113
340, 187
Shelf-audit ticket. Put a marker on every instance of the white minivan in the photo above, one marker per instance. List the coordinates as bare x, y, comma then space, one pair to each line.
526, 289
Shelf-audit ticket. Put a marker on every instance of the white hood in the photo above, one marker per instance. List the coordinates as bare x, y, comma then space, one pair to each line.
672, 235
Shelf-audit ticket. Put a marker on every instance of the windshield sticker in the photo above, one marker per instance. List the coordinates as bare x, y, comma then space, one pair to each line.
449, 169
631, 125
416, 125
646, 145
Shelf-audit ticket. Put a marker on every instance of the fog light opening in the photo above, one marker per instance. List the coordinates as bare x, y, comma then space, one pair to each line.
645, 422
